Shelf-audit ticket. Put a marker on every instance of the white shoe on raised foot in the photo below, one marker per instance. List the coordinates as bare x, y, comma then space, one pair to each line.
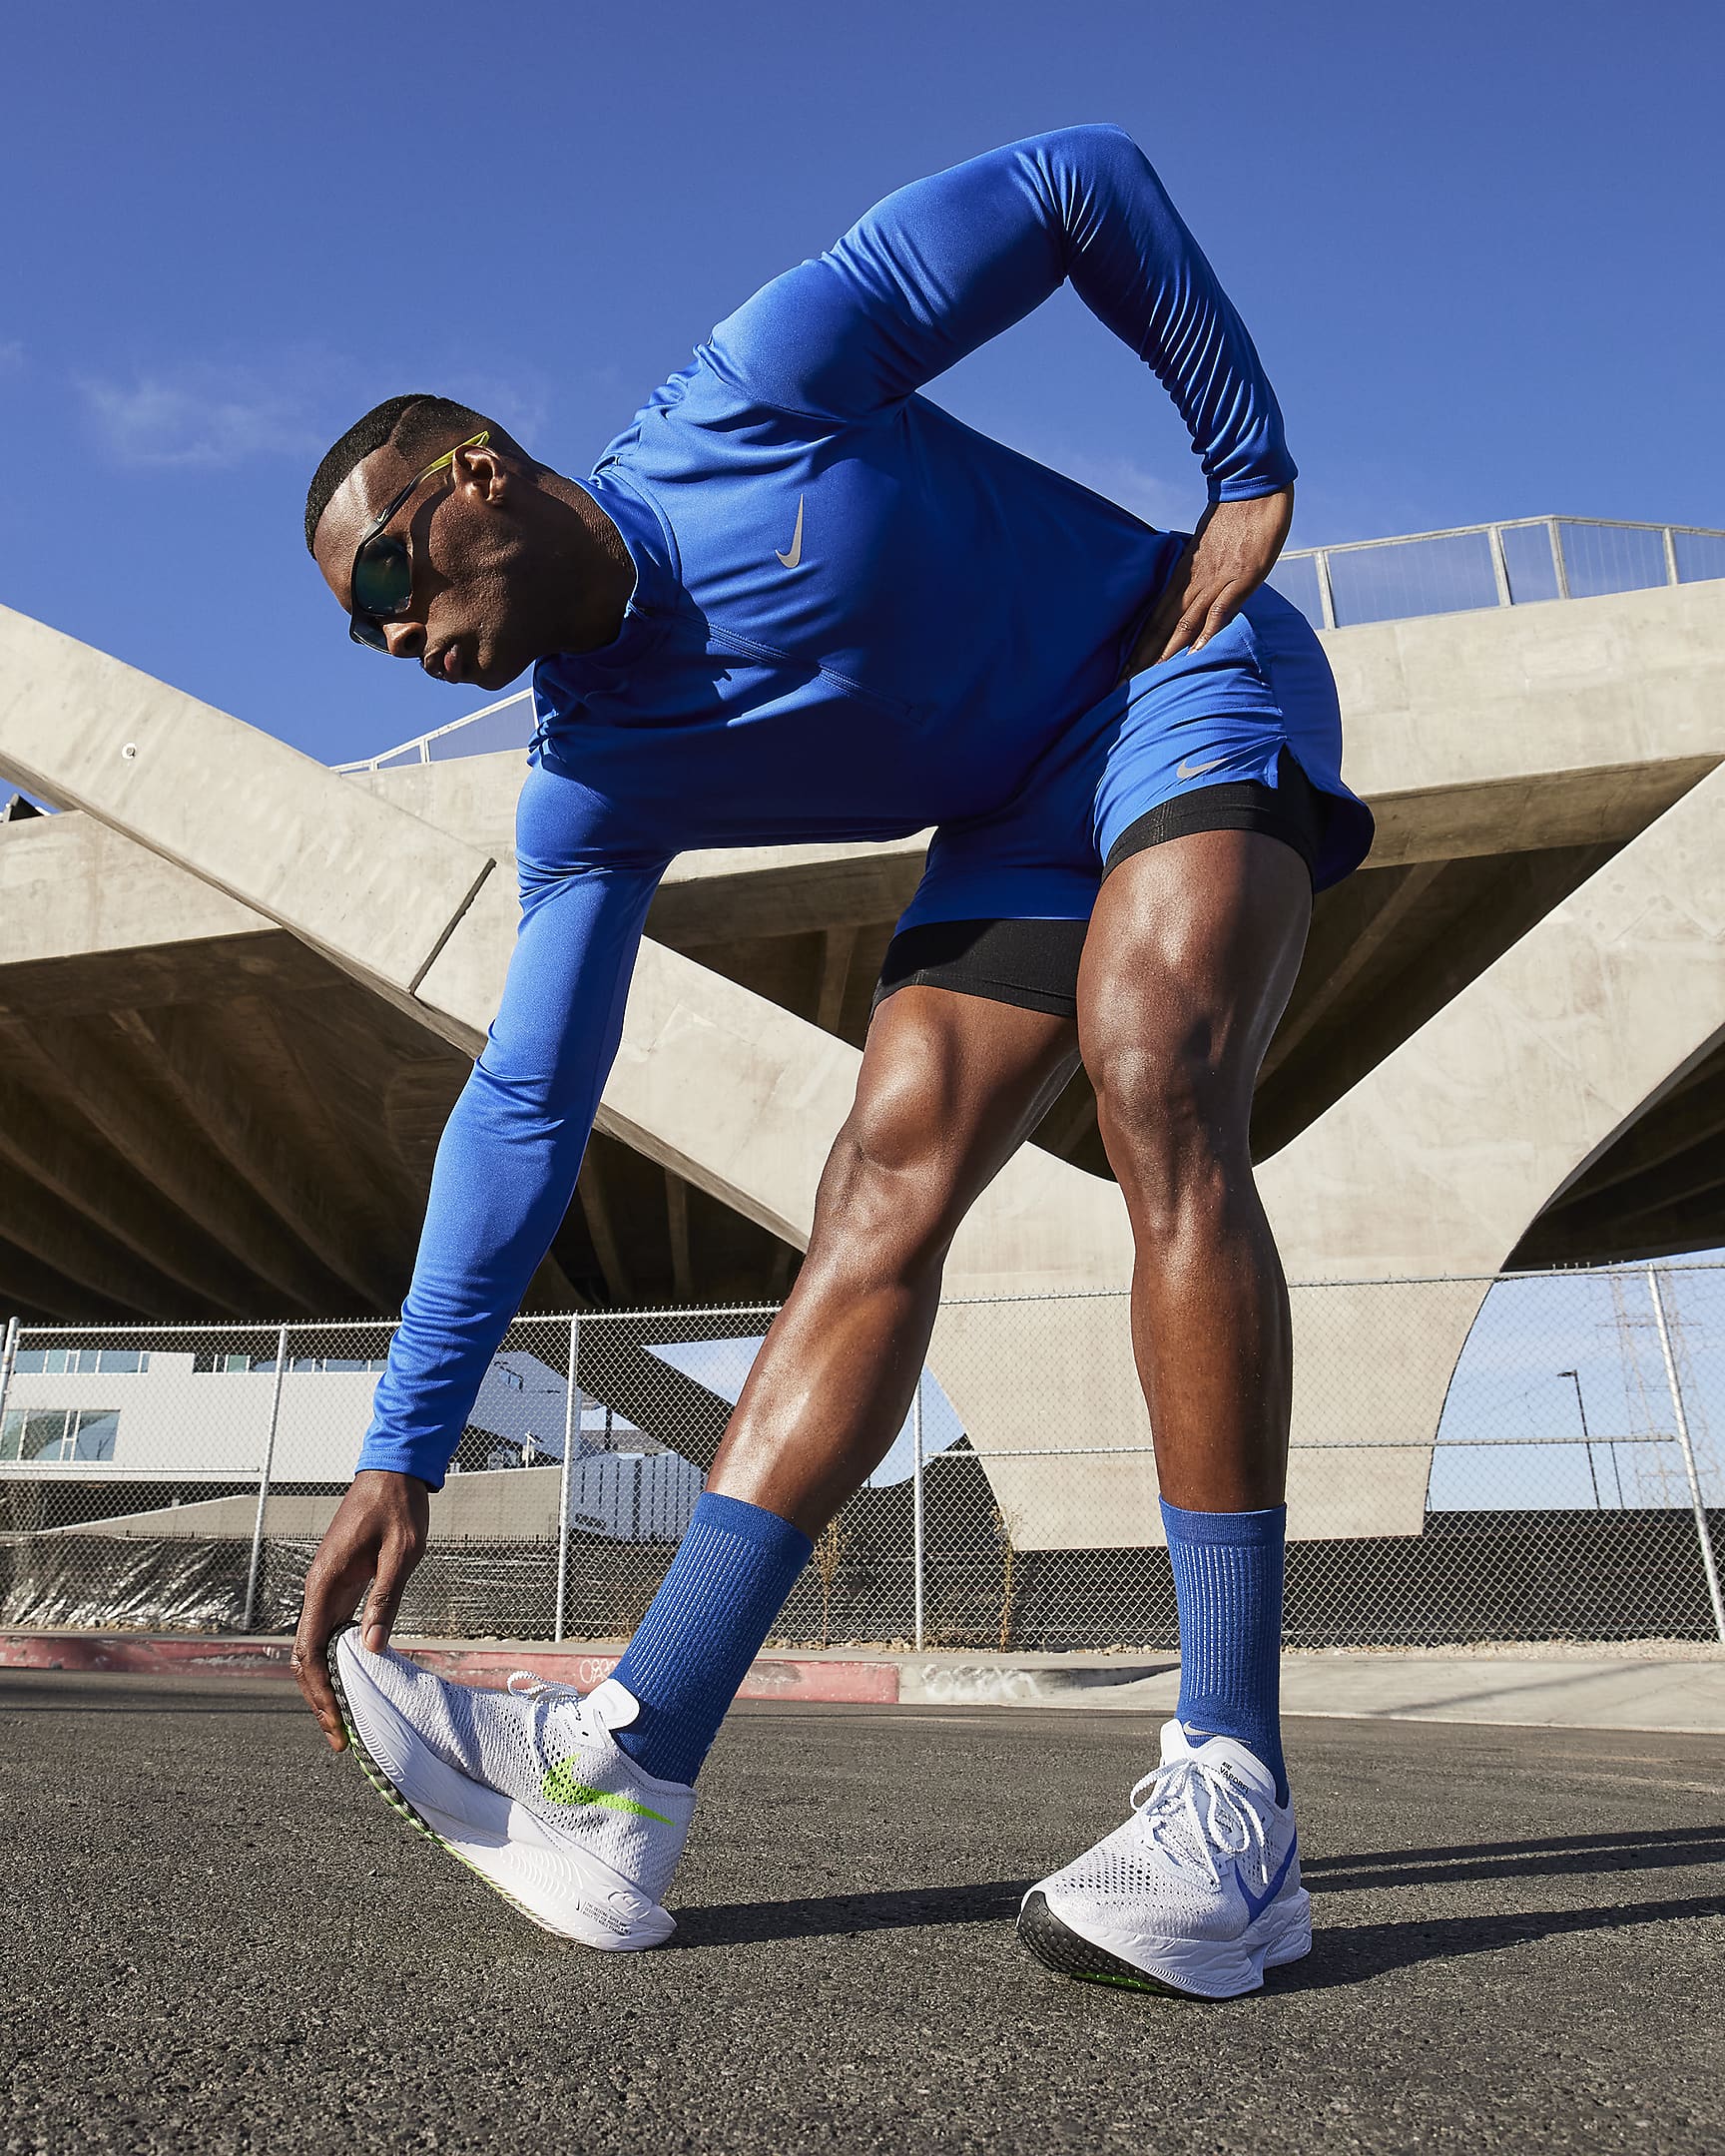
1197, 1894
527, 1787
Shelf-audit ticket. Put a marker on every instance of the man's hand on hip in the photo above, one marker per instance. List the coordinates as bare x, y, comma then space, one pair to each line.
379, 1533
1233, 550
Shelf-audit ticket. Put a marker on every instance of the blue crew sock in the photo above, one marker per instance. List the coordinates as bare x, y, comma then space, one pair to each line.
702, 1630
1228, 1571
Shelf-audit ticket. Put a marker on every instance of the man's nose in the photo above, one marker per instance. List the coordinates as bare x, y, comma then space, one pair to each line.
406, 639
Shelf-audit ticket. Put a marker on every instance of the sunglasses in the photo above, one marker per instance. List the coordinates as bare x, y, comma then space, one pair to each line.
380, 583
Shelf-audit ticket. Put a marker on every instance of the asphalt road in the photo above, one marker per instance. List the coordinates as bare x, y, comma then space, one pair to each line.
217, 1939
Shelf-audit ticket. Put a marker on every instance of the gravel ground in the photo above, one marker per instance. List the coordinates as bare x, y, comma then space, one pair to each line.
217, 1939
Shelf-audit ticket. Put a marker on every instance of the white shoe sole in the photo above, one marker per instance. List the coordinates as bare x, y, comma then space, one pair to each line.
1189, 1968
556, 1883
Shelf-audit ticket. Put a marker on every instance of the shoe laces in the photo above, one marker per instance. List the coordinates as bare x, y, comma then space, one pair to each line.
539, 1695
1190, 1793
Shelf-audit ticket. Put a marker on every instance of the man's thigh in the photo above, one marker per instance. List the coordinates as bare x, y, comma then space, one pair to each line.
951, 1084
1191, 958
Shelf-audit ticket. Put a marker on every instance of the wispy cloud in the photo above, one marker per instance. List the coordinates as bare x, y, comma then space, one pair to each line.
11, 356
217, 413
205, 414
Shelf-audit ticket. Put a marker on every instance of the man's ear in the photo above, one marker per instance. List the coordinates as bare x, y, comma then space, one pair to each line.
484, 475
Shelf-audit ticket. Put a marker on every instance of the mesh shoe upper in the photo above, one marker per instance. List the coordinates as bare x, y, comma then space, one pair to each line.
1206, 1850
551, 1750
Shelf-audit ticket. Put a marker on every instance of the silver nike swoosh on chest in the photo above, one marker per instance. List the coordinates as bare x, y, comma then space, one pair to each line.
795, 554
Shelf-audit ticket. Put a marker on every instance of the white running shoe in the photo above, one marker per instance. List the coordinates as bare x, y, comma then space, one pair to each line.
527, 1787
1198, 1894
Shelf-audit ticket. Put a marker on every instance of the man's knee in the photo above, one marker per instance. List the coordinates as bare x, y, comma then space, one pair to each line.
1173, 1116
888, 1197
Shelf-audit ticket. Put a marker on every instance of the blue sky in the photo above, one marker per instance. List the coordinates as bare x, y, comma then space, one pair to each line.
1479, 248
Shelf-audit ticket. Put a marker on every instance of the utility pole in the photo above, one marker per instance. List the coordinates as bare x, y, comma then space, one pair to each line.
1587, 1440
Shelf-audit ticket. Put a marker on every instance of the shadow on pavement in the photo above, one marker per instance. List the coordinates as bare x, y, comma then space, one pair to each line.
1347, 1955
747, 1923
1359, 1955
1563, 1857
192, 1691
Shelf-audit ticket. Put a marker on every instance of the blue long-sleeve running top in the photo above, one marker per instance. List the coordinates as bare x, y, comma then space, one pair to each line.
853, 618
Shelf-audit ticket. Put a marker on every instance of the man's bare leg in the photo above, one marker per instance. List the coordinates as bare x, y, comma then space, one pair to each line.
1195, 946
1190, 960
951, 1086
1192, 952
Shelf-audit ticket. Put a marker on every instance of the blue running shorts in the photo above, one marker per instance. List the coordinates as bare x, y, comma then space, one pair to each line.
1243, 735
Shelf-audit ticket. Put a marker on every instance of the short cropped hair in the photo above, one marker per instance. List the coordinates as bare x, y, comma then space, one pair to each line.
417, 425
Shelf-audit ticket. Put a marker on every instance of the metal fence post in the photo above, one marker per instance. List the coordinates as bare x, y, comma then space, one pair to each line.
571, 1437
8, 1355
1325, 591
1683, 1439
917, 1508
253, 1569
1670, 538
1499, 566
1559, 567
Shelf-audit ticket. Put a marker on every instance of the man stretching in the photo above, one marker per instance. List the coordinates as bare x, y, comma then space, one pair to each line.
794, 599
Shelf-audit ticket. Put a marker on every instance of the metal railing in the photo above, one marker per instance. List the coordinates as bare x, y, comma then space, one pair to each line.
1561, 1479
1518, 562
507, 724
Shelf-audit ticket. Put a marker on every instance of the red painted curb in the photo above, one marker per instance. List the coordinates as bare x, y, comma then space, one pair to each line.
772, 1677
141, 1654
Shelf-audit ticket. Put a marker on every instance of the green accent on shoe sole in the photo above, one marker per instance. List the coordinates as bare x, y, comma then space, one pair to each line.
394, 1797
1058, 1948
1125, 1983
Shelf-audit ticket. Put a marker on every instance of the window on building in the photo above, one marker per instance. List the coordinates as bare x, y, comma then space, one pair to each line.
299, 1365
80, 1363
58, 1433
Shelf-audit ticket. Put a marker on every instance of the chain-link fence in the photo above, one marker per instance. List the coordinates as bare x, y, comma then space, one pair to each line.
1527, 1458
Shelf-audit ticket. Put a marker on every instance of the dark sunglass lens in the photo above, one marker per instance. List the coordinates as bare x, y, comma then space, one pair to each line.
367, 631
382, 577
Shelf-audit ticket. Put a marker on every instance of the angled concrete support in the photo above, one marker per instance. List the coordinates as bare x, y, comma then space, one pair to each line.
370, 886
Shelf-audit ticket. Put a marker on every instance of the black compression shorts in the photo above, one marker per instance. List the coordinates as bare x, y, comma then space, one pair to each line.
1034, 963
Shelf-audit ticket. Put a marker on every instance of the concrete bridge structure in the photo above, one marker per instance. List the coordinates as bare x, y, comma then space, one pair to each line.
238, 992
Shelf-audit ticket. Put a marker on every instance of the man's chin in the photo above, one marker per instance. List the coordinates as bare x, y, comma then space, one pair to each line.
494, 673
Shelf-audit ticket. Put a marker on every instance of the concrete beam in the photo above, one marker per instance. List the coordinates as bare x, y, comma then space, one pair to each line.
1440, 1157
373, 887
1685, 1119
837, 946
114, 1198
1397, 908
85, 1063
65, 1243
677, 1221
1573, 709
596, 1212
70, 888
33, 1290
223, 1112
